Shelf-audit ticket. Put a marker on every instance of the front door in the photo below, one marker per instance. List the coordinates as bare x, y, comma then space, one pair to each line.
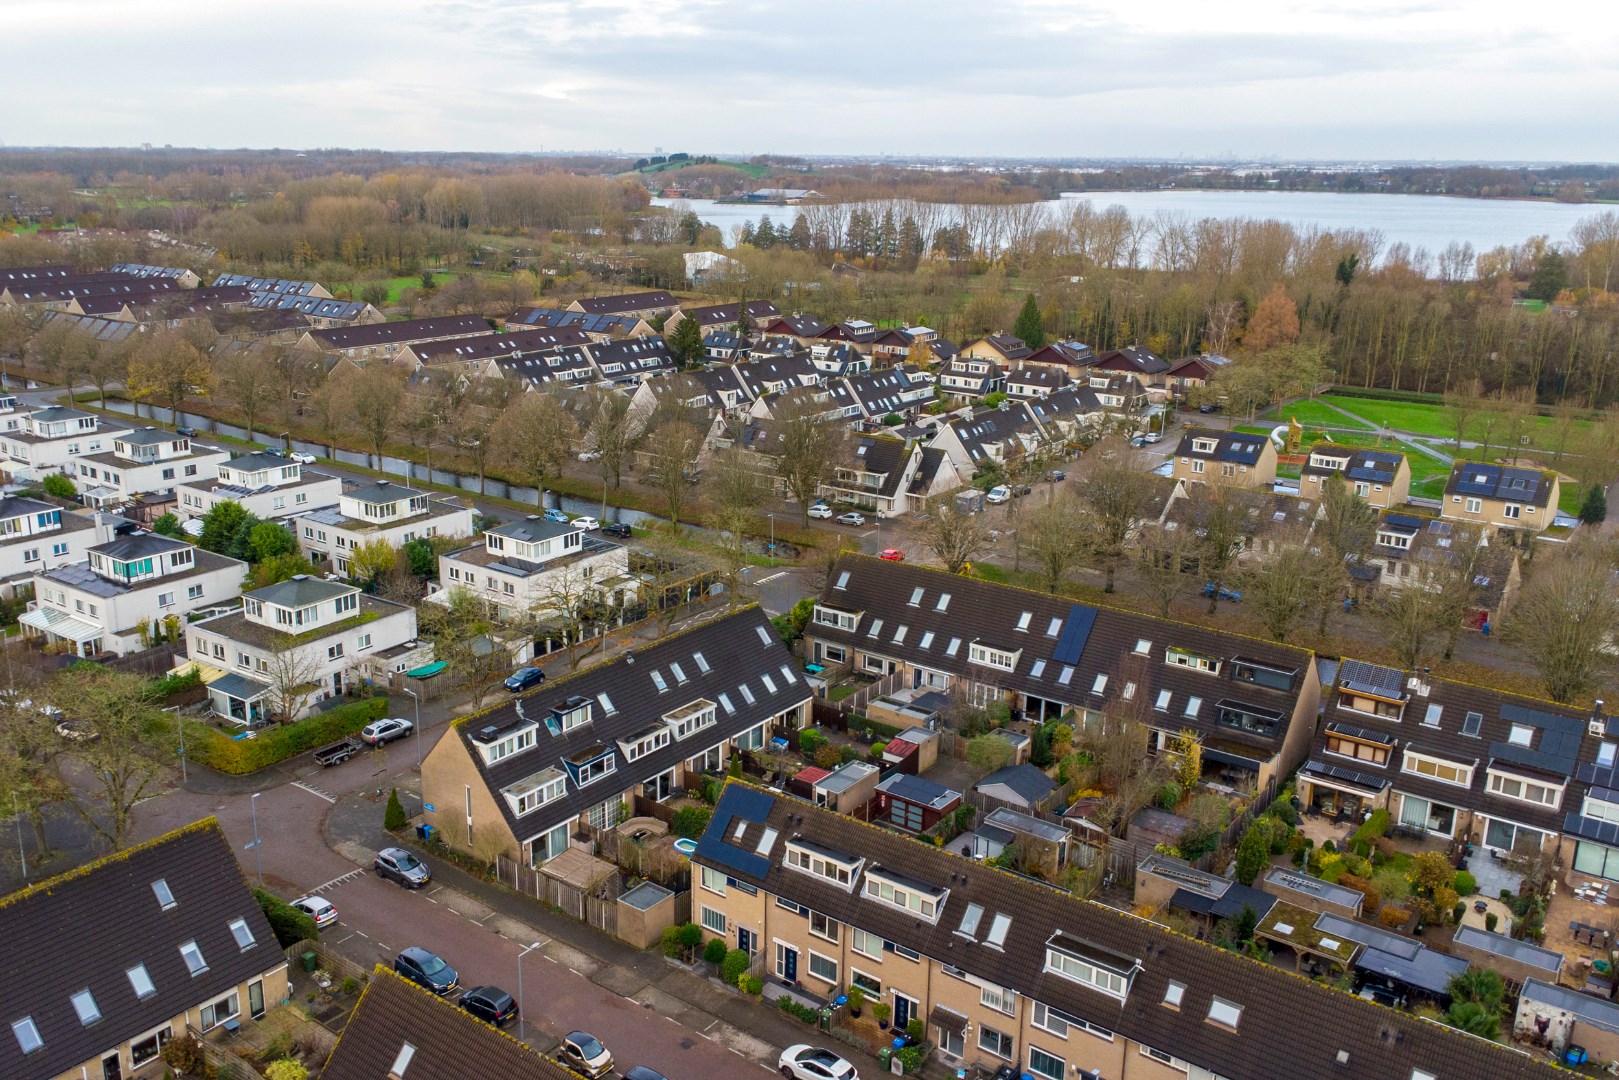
904, 1011
255, 998
112, 1067
787, 962
744, 940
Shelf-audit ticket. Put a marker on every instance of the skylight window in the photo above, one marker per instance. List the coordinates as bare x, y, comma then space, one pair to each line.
770, 684
1054, 628
658, 681
875, 629
997, 930
1173, 994
27, 1034
193, 958
1193, 704
747, 695
606, 704
140, 982
679, 673
1039, 666
702, 665
764, 636
725, 703
402, 1060
1225, 1012
843, 581
927, 639
916, 597
1431, 719
767, 840
1521, 735
787, 675
1163, 701
84, 1003
1023, 621
165, 896
969, 920
1066, 676
242, 933
1471, 724
1143, 646
955, 643
943, 602
1099, 685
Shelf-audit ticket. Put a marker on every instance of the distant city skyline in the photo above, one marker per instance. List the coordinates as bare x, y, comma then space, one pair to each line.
1385, 81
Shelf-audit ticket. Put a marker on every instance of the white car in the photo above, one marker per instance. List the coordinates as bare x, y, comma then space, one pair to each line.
806, 1062
318, 908
590, 455
821, 510
302, 458
1153, 437
381, 732
588, 524
998, 494
585, 1053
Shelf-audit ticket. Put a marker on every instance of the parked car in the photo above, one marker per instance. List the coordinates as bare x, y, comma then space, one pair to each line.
1138, 440
188, 432
641, 1072
998, 494
892, 555
427, 970
618, 528
556, 515
853, 517
303, 457
382, 732
403, 867
586, 523
525, 677
1153, 437
590, 455
806, 1062
1020, 490
318, 908
337, 752
583, 1051
1225, 594
490, 1004
1056, 476
1208, 408
820, 510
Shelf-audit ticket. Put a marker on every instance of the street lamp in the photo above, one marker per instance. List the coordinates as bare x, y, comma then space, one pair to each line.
258, 859
179, 726
417, 699
522, 1012
21, 854
286, 443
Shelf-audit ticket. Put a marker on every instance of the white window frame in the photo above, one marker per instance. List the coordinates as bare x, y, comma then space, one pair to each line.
810, 956
712, 880
1412, 758
859, 938
710, 916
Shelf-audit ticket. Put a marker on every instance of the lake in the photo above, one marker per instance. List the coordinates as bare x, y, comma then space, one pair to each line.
1421, 221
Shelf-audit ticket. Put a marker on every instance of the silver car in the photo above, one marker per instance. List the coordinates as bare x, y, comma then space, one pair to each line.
403, 867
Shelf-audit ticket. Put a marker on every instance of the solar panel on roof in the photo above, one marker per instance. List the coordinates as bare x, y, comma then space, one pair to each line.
1076, 632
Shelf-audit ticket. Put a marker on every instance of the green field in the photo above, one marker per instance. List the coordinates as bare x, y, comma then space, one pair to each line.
1432, 421
1428, 473
758, 172
1313, 414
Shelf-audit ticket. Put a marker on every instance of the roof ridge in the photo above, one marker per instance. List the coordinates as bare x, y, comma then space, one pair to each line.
207, 824
1471, 685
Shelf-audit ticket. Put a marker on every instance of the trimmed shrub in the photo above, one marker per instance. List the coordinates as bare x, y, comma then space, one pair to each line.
217, 750
751, 984
734, 965
1394, 917
690, 821
669, 941
1167, 797
1366, 888
1491, 921
290, 925
1465, 883
393, 818
714, 951
811, 740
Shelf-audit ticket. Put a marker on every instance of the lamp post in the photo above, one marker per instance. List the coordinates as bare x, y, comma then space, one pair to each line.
417, 699
286, 443
258, 858
772, 518
179, 726
21, 853
522, 1012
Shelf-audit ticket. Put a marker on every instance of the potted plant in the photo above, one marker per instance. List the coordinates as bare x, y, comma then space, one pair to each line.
857, 1000
882, 1010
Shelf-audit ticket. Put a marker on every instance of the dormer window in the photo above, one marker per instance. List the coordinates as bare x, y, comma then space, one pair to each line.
918, 898
1090, 966
590, 764
646, 741
569, 714
837, 867
1187, 659
503, 746
1203, 446
691, 718
533, 792
991, 656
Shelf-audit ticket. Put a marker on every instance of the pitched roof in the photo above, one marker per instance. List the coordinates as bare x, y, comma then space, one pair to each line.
1236, 447
511, 343
1134, 359
394, 1013
627, 302
796, 325
1010, 348
1368, 466
737, 663
403, 333
1041, 378
1025, 781
633, 356
727, 314
1288, 1027
1503, 482
86, 928
590, 324
300, 590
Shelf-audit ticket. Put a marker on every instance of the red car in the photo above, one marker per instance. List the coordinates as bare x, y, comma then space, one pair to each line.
892, 555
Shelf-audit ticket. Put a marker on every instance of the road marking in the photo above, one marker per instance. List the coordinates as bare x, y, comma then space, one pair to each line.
351, 875
772, 577
315, 791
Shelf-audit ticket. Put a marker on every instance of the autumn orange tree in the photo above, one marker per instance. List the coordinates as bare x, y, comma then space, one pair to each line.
1275, 322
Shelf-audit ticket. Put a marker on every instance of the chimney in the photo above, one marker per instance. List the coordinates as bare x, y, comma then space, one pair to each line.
1597, 727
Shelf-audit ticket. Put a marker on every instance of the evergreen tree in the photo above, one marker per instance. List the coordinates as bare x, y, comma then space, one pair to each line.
746, 236
1253, 853
765, 235
690, 226
885, 241
798, 237
910, 241
1551, 277
686, 343
394, 816
1028, 326
1594, 507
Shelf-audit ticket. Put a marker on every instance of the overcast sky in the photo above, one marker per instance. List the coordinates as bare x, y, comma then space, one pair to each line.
1338, 79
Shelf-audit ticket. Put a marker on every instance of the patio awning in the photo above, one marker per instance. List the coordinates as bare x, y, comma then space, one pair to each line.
61, 624
1350, 780
949, 1019
1230, 757
239, 687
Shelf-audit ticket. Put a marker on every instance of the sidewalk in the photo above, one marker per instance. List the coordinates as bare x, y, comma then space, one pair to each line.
353, 829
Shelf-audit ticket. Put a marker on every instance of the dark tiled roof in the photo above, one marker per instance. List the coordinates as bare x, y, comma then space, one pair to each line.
626, 303
739, 650
514, 343
1289, 1028
1369, 466
1502, 482
638, 356
1133, 359
590, 324
1010, 348
726, 314
394, 1012
1232, 446
88, 927
1042, 378
804, 326
1025, 781
403, 333
1062, 649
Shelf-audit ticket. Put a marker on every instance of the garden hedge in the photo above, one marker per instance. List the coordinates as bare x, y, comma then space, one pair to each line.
217, 750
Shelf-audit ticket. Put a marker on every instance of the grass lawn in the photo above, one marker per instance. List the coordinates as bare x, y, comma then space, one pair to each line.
841, 691
1406, 416
756, 171
1313, 414
1569, 502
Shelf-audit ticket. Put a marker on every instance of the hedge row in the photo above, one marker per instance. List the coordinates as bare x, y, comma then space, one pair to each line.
217, 750
1382, 394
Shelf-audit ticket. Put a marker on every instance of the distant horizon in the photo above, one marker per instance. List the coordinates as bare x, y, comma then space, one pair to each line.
1365, 163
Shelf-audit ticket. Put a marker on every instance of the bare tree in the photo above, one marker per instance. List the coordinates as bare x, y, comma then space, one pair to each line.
1053, 535
534, 437
1285, 589
1410, 617
1566, 620
955, 538
1462, 406
247, 380
127, 745
470, 639
609, 431
1163, 557
1116, 490
810, 448
1118, 747
1221, 518
294, 677
671, 450
169, 368
736, 490
569, 606
373, 401
1347, 524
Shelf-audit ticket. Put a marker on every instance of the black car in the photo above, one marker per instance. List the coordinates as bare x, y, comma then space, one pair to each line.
525, 677
188, 432
1206, 409
618, 528
641, 1072
490, 1004
427, 970
1056, 476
